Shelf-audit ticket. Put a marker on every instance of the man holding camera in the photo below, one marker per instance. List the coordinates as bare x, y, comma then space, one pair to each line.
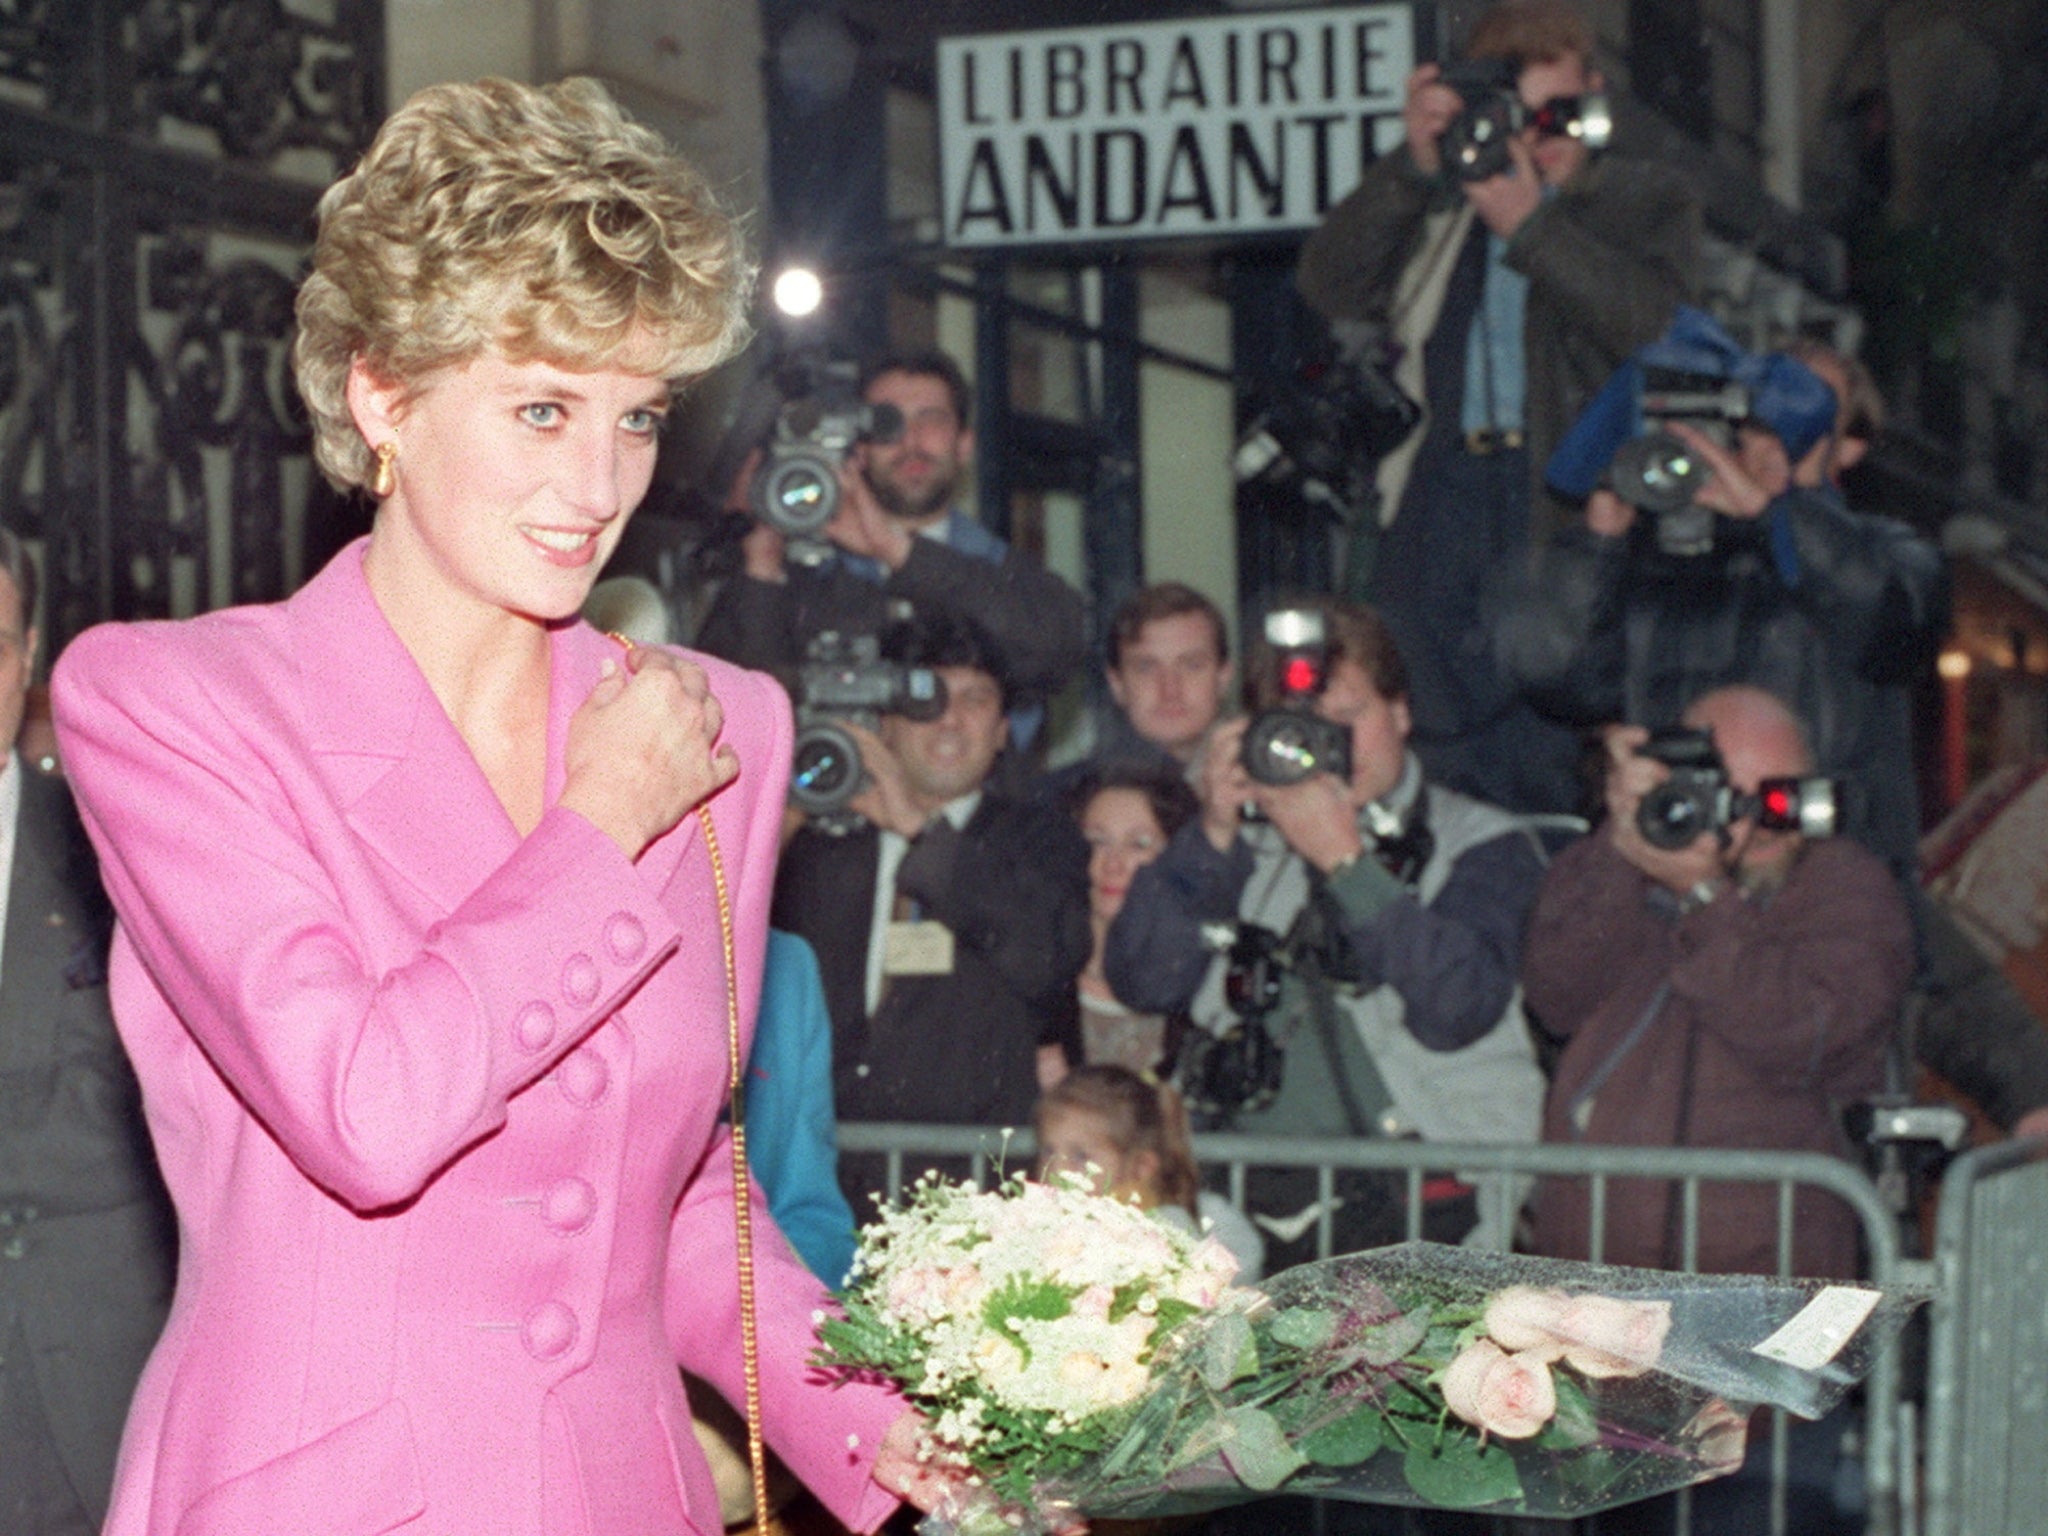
897, 535
1506, 289
1352, 949
1735, 990
952, 923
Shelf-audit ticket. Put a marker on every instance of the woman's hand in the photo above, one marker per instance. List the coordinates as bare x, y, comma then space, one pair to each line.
916, 1471
643, 749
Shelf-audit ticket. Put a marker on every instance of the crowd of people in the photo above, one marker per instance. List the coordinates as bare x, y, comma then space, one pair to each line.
413, 877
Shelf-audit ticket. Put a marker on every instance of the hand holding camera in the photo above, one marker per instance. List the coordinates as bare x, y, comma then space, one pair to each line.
1633, 776
1427, 111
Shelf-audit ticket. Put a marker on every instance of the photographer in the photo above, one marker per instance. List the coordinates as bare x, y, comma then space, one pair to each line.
1372, 931
1831, 610
1505, 302
952, 923
897, 534
1736, 991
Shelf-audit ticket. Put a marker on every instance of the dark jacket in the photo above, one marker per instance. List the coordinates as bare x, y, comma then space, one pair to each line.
1609, 257
1775, 1017
86, 1240
1034, 618
1831, 610
1012, 887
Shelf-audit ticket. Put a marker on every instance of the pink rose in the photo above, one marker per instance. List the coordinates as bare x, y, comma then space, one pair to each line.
1511, 1396
1597, 1336
1522, 1319
1610, 1336
1719, 1435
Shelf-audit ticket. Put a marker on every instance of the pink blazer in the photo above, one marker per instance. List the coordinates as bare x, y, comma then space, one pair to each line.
438, 1106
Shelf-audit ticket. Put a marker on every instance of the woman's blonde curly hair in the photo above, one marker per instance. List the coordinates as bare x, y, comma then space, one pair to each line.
536, 220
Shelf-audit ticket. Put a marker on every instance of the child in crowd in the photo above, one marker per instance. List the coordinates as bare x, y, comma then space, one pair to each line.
1131, 1136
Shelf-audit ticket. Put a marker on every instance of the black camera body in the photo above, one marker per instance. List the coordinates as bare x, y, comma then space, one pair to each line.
1698, 798
1239, 1071
1316, 434
796, 489
1475, 144
1291, 742
1658, 473
844, 678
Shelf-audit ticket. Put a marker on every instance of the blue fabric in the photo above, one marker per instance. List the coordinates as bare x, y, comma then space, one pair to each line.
1496, 380
1786, 396
791, 1129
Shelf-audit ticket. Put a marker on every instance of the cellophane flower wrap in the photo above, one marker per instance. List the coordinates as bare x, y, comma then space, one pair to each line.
1085, 1360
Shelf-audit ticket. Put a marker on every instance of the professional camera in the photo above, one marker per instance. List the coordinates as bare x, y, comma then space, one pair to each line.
1318, 433
1475, 145
1239, 1070
796, 489
1658, 472
1697, 797
844, 678
1288, 743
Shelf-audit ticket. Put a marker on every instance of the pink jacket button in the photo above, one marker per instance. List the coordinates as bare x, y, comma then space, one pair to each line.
626, 937
583, 1078
534, 1028
569, 1205
580, 980
549, 1330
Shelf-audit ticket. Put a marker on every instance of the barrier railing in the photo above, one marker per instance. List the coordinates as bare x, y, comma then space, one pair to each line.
1986, 1471
1501, 1176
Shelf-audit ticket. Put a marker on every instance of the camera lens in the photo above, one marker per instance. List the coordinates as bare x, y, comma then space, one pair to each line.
825, 768
1673, 815
797, 493
1280, 749
1658, 473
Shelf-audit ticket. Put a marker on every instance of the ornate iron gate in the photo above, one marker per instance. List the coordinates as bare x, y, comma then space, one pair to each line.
159, 165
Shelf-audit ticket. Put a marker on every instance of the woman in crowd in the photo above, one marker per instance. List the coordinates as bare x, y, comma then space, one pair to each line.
1127, 815
425, 892
1130, 1136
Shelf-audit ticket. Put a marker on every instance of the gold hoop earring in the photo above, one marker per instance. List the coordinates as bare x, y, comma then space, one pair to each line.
384, 478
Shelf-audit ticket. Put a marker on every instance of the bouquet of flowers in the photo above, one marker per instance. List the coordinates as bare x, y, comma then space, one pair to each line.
1081, 1358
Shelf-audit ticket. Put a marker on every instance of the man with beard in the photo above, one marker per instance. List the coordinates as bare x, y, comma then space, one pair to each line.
899, 536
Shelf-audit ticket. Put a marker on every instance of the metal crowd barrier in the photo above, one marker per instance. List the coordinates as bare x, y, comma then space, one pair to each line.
1501, 1176
1986, 1470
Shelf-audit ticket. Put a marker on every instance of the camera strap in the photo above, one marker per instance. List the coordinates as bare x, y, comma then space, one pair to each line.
1580, 1110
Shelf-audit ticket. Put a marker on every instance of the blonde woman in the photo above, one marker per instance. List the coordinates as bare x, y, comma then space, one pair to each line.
420, 956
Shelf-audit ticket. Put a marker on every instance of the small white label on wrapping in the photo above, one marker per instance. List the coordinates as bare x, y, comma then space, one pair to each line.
1823, 1326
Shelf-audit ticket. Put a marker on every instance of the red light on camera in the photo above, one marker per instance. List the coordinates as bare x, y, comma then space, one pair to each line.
1300, 674
1780, 806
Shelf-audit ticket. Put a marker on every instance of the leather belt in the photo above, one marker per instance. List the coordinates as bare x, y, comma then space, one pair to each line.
1481, 441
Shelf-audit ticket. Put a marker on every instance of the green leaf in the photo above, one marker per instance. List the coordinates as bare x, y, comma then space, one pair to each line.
1350, 1440
1228, 1351
1575, 1424
1395, 1340
1461, 1472
1041, 1300
1257, 1454
1302, 1327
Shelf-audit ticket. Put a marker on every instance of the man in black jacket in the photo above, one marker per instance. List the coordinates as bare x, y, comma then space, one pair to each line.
85, 1230
952, 925
1506, 302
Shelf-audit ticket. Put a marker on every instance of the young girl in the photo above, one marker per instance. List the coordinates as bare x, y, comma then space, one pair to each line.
1132, 1138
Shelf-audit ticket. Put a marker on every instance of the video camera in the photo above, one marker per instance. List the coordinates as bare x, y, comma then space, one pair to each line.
1658, 472
1698, 374
1698, 798
1317, 433
1290, 742
1475, 145
844, 678
822, 420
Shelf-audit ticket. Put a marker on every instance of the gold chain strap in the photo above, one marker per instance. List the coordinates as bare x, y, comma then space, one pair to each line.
743, 1222
750, 1339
